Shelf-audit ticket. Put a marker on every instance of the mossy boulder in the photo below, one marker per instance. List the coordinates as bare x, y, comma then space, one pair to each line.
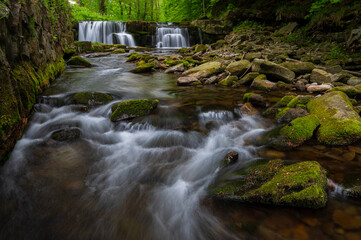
300, 100
299, 67
320, 76
263, 85
239, 67
119, 51
350, 91
200, 48
83, 46
301, 184
274, 72
291, 114
205, 70
296, 132
132, 109
248, 78
78, 61
228, 81
133, 57
143, 68
91, 98
340, 124
255, 99
354, 192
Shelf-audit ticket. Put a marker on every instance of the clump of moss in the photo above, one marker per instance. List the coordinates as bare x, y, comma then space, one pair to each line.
118, 51
143, 67
132, 108
133, 57
297, 132
350, 91
200, 48
301, 184
228, 81
246, 97
340, 124
91, 98
78, 61
300, 100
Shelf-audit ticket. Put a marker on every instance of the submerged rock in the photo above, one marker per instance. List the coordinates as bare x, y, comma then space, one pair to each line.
91, 98
248, 109
66, 134
230, 158
272, 70
340, 124
78, 61
132, 109
186, 81
301, 184
143, 68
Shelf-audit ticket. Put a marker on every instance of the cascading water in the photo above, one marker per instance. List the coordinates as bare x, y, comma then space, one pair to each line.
105, 32
169, 36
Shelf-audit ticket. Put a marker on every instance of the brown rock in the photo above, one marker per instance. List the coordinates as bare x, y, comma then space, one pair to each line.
185, 81
248, 109
344, 220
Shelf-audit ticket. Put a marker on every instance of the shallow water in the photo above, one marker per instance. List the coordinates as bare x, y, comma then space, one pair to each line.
148, 178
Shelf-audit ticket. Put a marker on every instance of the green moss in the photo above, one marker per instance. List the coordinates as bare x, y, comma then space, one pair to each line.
246, 97
143, 68
298, 131
78, 61
118, 51
350, 91
133, 57
91, 98
301, 184
300, 100
228, 81
200, 48
336, 132
281, 112
261, 77
284, 101
355, 192
197, 83
133, 108
340, 124
83, 46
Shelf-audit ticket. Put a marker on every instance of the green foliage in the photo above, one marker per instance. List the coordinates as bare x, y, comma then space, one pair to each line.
337, 53
319, 4
83, 13
245, 25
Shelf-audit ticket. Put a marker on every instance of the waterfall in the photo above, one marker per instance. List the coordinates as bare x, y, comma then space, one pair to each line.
105, 32
172, 37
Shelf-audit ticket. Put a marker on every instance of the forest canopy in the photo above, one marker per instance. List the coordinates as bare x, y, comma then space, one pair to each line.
178, 10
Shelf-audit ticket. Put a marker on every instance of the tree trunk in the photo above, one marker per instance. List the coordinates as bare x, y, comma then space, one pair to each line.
138, 12
121, 7
145, 10
102, 7
151, 10
204, 9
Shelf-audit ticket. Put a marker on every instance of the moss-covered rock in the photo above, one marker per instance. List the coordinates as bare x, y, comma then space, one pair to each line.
340, 124
301, 184
143, 68
299, 67
228, 81
133, 57
91, 98
239, 67
263, 85
132, 109
291, 114
118, 51
355, 192
83, 46
248, 78
200, 48
296, 132
273, 71
78, 61
205, 70
351, 92
299, 100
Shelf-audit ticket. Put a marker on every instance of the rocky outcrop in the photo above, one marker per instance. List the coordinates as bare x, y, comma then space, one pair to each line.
272, 70
132, 109
32, 39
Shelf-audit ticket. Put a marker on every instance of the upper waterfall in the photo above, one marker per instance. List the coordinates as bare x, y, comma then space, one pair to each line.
169, 36
105, 32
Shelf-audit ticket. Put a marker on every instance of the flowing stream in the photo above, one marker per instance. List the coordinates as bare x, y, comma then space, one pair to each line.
140, 179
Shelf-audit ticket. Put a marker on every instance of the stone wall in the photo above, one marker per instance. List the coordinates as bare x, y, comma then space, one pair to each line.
32, 39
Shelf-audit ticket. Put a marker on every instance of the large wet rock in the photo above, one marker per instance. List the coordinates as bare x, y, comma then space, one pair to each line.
320, 76
78, 61
299, 67
186, 81
205, 70
313, 88
301, 184
66, 134
295, 133
273, 71
340, 124
176, 68
143, 68
91, 98
264, 85
132, 109
239, 67
350, 91
290, 114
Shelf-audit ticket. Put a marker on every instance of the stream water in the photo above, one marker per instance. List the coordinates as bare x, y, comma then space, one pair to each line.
148, 178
